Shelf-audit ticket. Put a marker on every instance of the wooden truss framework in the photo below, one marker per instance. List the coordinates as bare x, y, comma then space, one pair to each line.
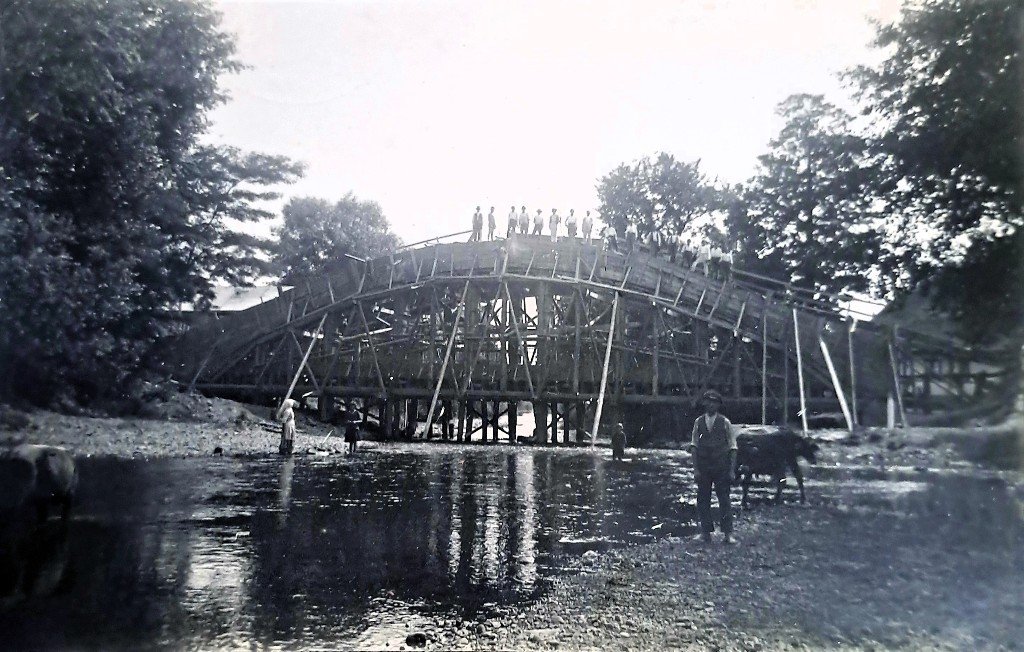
523, 319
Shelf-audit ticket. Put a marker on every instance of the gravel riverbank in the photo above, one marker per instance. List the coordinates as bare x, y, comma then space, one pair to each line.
189, 426
928, 565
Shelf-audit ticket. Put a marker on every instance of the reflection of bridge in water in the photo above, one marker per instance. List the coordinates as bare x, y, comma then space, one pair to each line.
465, 332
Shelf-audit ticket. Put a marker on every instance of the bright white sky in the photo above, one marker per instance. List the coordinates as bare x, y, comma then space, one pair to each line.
431, 108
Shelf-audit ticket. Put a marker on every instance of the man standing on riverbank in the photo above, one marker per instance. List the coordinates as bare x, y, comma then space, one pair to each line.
713, 445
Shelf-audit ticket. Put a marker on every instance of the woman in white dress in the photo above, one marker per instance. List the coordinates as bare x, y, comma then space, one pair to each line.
286, 415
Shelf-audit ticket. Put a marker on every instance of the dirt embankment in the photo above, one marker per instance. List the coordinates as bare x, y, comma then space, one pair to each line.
187, 425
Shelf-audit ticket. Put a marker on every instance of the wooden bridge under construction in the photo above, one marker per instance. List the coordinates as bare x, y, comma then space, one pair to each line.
449, 339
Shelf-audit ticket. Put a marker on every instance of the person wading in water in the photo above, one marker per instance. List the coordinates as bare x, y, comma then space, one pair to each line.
713, 446
618, 442
351, 432
286, 415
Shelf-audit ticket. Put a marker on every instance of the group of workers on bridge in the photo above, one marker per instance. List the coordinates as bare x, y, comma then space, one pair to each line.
680, 249
520, 222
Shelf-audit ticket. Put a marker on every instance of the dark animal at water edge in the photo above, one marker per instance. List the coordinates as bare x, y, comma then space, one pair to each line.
772, 454
35, 476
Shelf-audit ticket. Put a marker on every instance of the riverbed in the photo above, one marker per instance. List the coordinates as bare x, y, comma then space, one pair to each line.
464, 545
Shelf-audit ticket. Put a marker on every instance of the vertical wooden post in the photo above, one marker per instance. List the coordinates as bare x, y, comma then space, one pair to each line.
540, 420
469, 420
386, 407
835, 383
853, 371
896, 384
800, 371
554, 423
462, 421
604, 373
412, 417
785, 380
494, 423
764, 365
737, 376
577, 332
566, 421
513, 417
656, 354
581, 416
503, 366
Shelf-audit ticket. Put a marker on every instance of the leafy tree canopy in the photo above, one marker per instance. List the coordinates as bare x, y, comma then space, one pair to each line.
111, 211
317, 235
948, 101
658, 194
808, 205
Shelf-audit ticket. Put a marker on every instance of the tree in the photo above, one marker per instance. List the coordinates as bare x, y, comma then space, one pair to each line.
659, 194
809, 199
748, 239
948, 98
111, 212
317, 236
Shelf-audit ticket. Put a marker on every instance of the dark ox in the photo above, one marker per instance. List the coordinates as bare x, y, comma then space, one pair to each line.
36, 477
773, 453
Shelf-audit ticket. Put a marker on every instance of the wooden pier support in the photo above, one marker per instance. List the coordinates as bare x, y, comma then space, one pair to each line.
495, 429
540, 418
513, 408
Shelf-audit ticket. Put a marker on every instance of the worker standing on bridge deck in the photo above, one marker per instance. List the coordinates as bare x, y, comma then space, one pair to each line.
478, 225
513, 223
631, 237
553, 223
538, 223
588, 226
713, 444
524, 222
703, 258
492, 223
611, 238
570, 224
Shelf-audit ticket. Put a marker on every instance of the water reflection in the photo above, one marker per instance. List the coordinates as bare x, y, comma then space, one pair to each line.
209, 553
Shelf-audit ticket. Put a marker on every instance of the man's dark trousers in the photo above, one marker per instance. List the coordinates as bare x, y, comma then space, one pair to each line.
714, 476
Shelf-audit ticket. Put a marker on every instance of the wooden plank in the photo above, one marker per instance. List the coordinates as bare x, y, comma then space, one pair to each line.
604, 373
373, 349
305, 358
800, 371
447, 356
835, 383
522, 343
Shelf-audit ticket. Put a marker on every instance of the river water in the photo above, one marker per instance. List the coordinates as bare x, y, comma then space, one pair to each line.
360, 551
